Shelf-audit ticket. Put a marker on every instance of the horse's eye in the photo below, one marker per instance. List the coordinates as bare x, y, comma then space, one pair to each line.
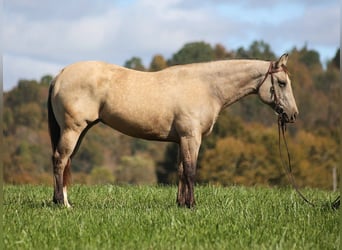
282, 84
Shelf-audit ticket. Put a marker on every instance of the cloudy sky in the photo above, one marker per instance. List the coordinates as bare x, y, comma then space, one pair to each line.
42, 36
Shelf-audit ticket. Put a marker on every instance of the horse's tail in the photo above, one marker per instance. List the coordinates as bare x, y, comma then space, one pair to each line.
55, 134
54, 129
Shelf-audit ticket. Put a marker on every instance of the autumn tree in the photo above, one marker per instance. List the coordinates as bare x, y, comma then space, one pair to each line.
220, 52
158, 63
247, 159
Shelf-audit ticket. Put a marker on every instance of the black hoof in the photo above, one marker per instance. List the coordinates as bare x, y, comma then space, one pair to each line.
58, 200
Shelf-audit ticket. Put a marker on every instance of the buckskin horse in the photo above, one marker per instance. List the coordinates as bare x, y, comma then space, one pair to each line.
178, 104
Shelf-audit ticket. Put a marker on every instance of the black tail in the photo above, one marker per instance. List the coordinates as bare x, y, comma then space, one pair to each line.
54, 129
55, 134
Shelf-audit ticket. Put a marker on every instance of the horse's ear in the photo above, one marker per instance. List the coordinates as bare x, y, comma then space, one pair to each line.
282, 61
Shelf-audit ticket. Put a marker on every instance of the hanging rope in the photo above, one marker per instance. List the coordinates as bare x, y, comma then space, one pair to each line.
288, 167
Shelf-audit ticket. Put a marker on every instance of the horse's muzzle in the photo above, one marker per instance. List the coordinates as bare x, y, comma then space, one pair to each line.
285, 118
293, 117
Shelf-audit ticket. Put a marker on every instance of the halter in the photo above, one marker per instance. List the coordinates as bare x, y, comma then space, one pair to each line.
271, 70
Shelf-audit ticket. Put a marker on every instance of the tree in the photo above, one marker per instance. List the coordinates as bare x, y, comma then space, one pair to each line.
226, 125
234, 161
101, 175
135, 63
29, 115
26, 91
90, 154
46, 80
158, 63
311, 59
136, 169
221, 53
192, 53
167, 169
8, 122
257, 50
336, 60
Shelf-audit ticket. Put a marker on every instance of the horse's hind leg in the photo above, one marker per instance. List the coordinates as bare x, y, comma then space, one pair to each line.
61, 160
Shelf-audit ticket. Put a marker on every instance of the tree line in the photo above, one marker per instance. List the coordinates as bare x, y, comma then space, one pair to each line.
242, 149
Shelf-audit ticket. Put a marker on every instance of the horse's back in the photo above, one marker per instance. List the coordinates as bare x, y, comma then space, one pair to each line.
86, 74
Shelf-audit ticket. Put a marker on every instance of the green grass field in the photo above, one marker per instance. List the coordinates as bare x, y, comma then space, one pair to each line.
144, 217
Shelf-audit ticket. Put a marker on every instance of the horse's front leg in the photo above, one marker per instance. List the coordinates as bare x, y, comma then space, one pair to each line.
182, 188
189, 147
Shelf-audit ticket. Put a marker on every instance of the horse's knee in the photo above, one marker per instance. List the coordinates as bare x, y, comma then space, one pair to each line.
55, 160
59, 162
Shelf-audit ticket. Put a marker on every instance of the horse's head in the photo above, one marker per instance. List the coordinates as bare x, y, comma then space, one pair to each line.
276, 90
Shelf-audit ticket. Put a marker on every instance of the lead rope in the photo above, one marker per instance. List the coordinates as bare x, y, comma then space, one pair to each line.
288, 167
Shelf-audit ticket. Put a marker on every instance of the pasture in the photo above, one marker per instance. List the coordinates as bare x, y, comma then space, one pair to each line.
147, 217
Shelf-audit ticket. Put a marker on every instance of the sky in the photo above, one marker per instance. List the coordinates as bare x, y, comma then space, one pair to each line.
42, 36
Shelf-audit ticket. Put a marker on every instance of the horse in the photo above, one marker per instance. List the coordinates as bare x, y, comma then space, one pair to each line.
178, 104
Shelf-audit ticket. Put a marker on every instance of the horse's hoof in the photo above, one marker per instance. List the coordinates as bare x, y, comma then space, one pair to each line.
181, 204
191, 205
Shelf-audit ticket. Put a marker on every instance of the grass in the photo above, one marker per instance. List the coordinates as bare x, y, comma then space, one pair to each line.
145, 217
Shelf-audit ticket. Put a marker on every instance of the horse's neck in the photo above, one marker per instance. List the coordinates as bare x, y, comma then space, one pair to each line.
235, 79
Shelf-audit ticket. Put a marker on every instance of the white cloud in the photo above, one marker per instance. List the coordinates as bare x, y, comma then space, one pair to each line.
17, 67
51, 9
57, 39
319, 25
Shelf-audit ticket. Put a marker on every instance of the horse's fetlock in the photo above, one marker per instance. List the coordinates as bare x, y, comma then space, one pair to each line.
190, 172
